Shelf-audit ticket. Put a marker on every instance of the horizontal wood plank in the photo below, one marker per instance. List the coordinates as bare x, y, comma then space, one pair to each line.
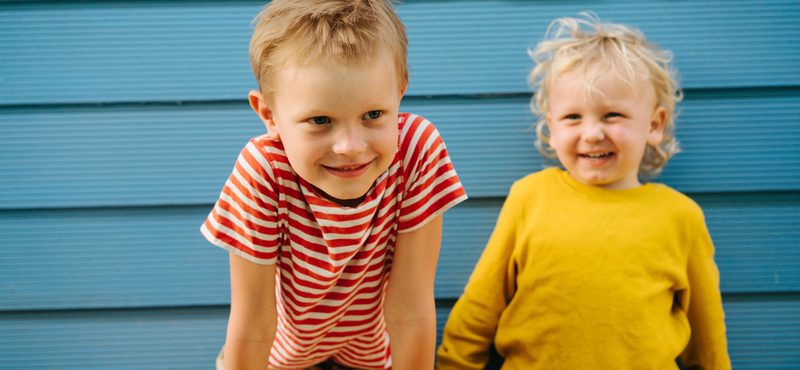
156, 257
761, 336
107, 52
755, 236
187, 338
114, 258
181, 155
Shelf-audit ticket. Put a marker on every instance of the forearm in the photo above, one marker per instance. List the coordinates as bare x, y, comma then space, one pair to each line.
245, 354
409, 307
253, 320
707, 347
249, 340
469, 334
413, 340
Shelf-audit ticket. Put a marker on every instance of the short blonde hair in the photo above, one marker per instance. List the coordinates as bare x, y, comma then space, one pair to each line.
595, 48
346, 31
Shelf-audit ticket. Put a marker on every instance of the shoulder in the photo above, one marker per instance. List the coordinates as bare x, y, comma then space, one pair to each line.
537, 182
410, 121
676, 205
263, 169
416, 132
267, 155
420, 147
531, 191
268, 148
675, 199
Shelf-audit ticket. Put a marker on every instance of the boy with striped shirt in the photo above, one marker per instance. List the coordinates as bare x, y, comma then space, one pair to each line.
342, 192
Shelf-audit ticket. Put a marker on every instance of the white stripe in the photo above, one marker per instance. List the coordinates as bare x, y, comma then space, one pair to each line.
434, 198
262, 161
235, 205
359, 222
266, 198
234, 235
415, 139
293, 287
261, 261
422, 193
241, 223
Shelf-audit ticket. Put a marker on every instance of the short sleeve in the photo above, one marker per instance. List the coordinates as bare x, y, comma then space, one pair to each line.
244, 220
431, 184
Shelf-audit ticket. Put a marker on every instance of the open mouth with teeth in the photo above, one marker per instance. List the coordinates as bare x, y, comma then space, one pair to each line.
350, 168
596, 156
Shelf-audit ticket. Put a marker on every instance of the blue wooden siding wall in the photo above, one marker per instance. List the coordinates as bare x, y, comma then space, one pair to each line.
120, 121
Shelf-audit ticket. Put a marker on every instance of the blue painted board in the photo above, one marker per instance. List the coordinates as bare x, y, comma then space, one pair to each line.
755, 236
762, 335
118, 156
187, 51
181, 155
101, 258
468, 47
725, 140
156, 257
763, 331
184, 338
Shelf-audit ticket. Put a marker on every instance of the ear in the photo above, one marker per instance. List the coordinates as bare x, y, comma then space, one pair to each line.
259, 105
549, 124
403, 89
657, 124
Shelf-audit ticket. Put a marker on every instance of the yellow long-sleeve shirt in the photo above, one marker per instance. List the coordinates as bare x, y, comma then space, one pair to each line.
580, 277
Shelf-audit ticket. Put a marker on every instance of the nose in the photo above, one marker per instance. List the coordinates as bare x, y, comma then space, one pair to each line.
350, 140
593, 131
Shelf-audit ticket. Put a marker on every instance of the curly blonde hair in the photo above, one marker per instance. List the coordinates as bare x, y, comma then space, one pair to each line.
350, 32
595, 48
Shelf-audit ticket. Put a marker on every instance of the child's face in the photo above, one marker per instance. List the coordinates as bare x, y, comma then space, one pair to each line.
338, 124
601, 138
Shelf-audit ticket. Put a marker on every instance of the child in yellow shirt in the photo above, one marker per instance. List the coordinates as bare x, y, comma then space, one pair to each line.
589, 268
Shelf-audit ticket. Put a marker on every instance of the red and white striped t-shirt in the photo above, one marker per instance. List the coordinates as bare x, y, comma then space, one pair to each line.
333, 262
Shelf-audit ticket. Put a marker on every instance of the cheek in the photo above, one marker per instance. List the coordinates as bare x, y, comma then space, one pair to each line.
559, 138
295, 157
621, 134
301, 152
385, 140
634, 142
618, 133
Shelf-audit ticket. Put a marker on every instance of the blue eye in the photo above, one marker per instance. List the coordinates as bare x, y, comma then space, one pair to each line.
320, 120
573, 116
373, 114
613, 114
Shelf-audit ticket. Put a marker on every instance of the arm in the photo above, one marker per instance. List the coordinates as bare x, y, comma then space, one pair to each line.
471, 328
409, 306
707, 348
253, 321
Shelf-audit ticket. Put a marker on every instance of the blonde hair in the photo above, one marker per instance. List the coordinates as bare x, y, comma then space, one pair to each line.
595, 48
350, 32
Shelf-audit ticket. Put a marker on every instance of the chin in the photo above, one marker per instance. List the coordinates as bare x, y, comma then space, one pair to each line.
346, 195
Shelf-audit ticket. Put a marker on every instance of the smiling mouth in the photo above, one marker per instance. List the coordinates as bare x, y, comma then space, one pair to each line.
347, 168
349, 171
596, 156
